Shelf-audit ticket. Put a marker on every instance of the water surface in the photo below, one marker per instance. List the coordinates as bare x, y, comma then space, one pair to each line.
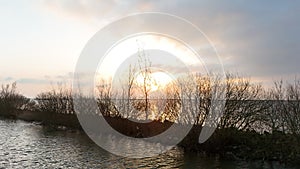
27, 145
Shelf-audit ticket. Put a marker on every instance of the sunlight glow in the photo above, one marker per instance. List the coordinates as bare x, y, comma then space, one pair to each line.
119, 53
154, 81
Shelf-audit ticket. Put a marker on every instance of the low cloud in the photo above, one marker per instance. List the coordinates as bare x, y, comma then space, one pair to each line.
46, 80
32, 81
7, 79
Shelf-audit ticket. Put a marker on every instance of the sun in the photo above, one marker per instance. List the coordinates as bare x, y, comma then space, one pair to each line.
154, 81
128, 47
162, 79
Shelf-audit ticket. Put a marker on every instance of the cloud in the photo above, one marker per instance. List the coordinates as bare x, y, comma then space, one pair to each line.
98, 10
32, 81
258, 38
47, 80
25, 80
252, 37
7, 79
68, 76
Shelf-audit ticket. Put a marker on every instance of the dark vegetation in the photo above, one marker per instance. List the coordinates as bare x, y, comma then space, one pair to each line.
11, 101
257, 123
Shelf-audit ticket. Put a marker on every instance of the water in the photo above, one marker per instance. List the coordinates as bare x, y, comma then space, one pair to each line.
27, 145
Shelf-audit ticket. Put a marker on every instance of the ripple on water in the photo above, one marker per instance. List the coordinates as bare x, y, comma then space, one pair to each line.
26, 145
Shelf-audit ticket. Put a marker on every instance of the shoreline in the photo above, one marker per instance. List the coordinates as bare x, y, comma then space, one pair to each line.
228, 143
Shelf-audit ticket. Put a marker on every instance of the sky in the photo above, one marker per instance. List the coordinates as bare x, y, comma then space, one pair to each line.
42, 40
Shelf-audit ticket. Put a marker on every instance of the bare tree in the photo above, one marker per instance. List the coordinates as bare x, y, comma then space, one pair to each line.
275, 114
172, 104
11, 100
130, 83
145, 72
105, 102
58, 100
285, 111
292, 114
243, 106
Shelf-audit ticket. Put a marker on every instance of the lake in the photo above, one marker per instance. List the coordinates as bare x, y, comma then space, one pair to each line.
28, 145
